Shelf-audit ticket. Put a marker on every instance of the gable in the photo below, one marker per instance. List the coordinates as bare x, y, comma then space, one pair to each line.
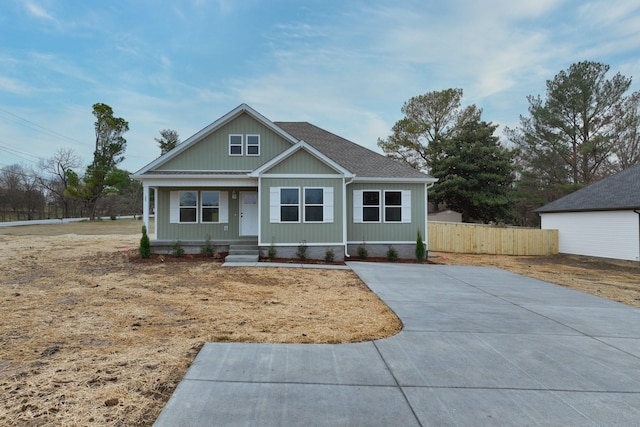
211, 153
301, 163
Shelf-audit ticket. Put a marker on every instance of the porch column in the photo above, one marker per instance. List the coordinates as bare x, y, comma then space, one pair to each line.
145, 206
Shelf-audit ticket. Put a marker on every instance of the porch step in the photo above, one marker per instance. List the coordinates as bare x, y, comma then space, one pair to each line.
242, 254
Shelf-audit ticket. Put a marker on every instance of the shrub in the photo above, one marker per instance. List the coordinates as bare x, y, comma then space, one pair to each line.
177, 250
113, 217
145, 244
362, 252
302, 250
272, 252
392, 254
329, 255
207, 249
421, 250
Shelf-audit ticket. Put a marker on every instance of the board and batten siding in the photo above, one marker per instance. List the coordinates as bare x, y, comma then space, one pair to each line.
212, 152
197, 231
606, 234
387, 232
298, 232
301, 163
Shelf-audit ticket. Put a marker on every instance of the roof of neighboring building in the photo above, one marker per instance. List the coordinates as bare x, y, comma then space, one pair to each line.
620, 191
359, 160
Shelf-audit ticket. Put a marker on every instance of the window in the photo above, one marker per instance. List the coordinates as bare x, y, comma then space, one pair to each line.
313, 205
289, 204
235, 145
393, 206
371, 206
286, 206
185, 205
188, 206
253, 145
210, 202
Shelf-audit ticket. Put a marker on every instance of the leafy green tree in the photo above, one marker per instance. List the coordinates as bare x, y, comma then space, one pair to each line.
102, 175
169, 139
573, 129
475, 174
429, 120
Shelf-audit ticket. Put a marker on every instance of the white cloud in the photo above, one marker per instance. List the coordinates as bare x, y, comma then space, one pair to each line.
38, 11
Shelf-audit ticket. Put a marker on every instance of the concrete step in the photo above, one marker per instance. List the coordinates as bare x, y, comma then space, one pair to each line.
241, 258
235, 251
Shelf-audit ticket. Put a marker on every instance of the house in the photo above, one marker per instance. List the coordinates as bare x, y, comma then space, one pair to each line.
600, 220
245, 180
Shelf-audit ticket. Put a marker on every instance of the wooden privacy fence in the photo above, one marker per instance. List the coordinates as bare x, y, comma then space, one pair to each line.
488, 239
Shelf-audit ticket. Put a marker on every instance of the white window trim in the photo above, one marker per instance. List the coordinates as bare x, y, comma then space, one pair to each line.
203, 207
174, 207
405, 206
241, 145
358, 207
278, 205
252, 145
327, 204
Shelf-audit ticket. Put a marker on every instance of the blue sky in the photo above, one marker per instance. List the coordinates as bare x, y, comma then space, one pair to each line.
346, 66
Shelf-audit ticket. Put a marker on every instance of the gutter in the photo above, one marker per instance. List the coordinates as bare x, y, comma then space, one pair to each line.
344, 214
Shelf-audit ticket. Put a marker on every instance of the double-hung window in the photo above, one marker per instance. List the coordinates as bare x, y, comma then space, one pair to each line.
205, 207
253, 145
188, 206
313, 205
210, 202
293, 204
289, 205
235, 145
393, 206
371, 206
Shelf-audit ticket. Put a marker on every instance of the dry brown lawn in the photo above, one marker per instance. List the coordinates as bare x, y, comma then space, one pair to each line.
90, 338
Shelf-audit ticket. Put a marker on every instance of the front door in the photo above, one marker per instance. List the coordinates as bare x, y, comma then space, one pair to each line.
248, 213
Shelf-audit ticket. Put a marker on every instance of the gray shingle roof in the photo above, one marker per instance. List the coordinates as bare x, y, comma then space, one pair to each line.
616, 192
359, 160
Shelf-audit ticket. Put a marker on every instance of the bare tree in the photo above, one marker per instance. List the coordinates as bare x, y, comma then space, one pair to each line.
52, 175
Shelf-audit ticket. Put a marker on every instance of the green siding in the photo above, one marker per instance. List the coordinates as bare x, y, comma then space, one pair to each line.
169, 231
388, 232
212, 152
301, 162
295, 233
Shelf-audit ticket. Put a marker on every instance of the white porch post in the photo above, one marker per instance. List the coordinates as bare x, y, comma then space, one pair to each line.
145, 205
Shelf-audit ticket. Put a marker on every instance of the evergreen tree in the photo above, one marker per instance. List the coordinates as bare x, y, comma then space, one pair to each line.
475, 174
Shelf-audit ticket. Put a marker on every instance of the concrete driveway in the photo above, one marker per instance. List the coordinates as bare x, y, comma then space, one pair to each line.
480, 346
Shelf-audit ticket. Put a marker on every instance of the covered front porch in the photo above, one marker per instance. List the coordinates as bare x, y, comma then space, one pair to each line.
223, 215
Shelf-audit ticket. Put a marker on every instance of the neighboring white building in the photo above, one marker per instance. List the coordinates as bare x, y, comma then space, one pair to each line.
601, 220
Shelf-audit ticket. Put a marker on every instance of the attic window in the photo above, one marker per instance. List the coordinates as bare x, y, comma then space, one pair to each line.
253, 145
235, 145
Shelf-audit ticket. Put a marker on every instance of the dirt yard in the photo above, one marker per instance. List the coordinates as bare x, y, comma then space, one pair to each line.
90, 338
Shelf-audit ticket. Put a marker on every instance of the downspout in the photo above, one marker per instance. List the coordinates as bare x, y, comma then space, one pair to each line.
426, 215
345, 217
638, 212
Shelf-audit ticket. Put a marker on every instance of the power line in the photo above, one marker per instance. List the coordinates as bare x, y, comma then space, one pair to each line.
42, 128
16, 153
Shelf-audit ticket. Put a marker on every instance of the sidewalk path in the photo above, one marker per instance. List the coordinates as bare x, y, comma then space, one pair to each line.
480, 346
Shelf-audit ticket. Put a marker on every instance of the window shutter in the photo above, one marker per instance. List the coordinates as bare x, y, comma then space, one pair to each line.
274, 204
406, 206
357, 206
328, 204
174, 207
223, 211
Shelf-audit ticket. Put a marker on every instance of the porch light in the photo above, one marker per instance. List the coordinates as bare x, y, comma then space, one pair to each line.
234, 195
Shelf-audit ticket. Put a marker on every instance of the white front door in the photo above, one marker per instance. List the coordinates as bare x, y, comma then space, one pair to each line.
248, 213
